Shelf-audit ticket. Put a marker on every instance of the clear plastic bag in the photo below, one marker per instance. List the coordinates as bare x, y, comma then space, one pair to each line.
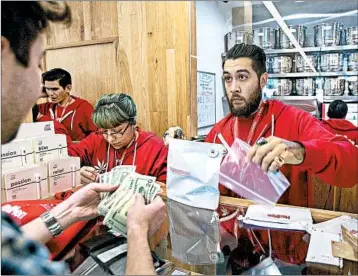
194, 234
247, 179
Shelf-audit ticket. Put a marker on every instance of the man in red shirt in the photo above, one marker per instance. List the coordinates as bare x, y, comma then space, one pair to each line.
337, 122
300, 145
73, 112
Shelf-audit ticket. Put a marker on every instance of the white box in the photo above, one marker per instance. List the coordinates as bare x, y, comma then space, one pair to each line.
64, 174
27, 183
17, 153
48, 148
31, 130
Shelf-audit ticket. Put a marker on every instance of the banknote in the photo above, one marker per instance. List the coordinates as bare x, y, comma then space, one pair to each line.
116, 210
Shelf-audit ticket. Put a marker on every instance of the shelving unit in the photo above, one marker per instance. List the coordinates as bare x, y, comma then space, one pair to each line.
294, 98
347, 99
313, 49
314, 75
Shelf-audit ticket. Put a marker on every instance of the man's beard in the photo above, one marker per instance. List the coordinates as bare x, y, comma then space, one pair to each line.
250, 106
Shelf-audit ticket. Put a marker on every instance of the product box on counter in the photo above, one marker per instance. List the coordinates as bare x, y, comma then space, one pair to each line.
31, 130
25, 183
48, 148
64, 174
17, 153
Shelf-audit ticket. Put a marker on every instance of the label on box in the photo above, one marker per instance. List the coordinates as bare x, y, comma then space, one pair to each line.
48, 148
16, 154
28, 183
31, 130
64, 174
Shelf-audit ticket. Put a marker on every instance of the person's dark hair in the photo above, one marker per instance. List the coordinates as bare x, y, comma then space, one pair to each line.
63, 77
22, 22
112, 110
337, 110
35, 112
255, 53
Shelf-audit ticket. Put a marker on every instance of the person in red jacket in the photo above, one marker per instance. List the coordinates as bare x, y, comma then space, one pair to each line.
73, 112
337, 123
119, 142
58, 127
283, 138
299, 146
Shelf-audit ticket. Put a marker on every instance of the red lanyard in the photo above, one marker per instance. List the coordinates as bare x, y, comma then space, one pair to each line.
257, 119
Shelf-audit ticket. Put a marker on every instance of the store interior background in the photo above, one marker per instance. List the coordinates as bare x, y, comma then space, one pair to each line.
152, 50
215, 18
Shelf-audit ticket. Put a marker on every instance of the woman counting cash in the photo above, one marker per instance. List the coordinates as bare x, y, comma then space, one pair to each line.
119, 141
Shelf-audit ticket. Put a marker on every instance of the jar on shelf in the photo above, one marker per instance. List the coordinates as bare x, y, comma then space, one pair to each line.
305, 87
353, 85
352, 35
284, 87
332, 62
327, 34
280, 64
334, 86
353, 61
298, 31
265, 37
303, 66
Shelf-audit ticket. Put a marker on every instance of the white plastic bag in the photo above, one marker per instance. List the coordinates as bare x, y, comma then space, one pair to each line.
193, 173
247, 179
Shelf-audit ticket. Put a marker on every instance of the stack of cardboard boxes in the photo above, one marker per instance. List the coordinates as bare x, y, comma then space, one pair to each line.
36, 164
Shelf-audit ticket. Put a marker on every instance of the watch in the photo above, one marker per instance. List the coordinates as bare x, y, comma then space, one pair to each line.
52, 224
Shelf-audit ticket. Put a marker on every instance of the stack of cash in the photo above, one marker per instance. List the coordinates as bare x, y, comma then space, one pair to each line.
114, 206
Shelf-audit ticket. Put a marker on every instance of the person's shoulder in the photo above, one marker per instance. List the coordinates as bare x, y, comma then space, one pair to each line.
150, 138
82, 102
222, 122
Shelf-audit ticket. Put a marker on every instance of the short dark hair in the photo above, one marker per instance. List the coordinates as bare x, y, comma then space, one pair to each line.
255, 53
63, 77
337, 109
22, 22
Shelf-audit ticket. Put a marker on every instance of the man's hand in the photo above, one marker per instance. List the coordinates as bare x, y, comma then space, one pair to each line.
173, 132
146, 218
82, 205
275, 153
88, 175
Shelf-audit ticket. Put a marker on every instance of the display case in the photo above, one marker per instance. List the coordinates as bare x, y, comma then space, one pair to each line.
311, 49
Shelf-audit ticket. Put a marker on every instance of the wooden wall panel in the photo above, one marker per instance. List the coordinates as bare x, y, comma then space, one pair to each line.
104, 19
333, 198
59, 34
92, 68
153, 37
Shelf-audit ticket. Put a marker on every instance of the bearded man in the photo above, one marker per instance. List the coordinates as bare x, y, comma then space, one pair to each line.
300, 145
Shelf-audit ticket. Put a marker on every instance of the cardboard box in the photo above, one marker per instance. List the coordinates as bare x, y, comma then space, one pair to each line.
31, 130
48, 148
64, 174
26, 183
17, 153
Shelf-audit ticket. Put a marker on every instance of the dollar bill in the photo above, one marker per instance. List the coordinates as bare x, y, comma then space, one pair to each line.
108, 202
116, 217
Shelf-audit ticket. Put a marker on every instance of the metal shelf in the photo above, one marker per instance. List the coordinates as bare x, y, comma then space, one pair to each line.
294, 98
347, 99
313, 75
313, 49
